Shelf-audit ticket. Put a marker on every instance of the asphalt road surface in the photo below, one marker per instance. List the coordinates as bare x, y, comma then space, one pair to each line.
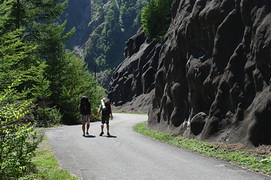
128, 155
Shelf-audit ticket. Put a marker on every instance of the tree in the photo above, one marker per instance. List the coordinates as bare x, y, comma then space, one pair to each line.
20, 75
78, 82
42, 59
19, 60
156, 18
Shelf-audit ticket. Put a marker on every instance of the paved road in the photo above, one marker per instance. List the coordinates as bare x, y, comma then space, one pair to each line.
131, 156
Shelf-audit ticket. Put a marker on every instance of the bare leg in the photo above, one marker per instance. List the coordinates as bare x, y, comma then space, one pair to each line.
88, 125
102, 130
107, 127
83, 128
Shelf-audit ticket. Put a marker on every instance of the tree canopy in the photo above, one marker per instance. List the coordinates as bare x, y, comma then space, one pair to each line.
40, 82
112, 23
156, 17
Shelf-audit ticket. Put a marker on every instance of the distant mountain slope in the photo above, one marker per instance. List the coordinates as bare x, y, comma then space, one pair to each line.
78, 15
102, 28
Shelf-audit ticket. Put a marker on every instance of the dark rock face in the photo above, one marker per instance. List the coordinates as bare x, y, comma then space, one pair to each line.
197, 123
78, 15
211, 76
217, 60
136, 74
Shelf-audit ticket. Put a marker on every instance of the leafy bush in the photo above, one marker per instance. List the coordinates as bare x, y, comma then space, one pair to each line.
47, 116
156, 18
17, 139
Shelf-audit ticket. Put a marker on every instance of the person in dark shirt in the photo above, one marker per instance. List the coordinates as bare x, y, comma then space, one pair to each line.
105, 108
85, 111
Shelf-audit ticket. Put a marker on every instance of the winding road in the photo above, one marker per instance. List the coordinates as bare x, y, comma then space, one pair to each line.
128, 155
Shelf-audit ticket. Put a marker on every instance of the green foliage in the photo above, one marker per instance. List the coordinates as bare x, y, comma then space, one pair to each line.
19, 62
46, 166
243, 158
63, 77
20, 66
46, 116
77, 82
35, 70
17, 138
31, 12
112, 23
32, 50
156, 17
21, 81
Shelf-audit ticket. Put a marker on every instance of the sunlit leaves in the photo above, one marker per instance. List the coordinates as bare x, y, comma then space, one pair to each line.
156, 18
17, 138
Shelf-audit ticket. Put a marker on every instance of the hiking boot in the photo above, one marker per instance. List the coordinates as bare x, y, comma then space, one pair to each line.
108, 134
101, 133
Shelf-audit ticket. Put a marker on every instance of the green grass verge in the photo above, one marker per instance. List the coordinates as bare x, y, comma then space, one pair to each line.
258, 159
46, 166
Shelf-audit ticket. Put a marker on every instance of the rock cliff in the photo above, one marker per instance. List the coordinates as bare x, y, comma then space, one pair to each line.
78, 15
133, 80
212, 81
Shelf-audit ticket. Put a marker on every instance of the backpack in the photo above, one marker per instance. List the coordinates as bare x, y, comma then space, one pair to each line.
106, 110
84, 106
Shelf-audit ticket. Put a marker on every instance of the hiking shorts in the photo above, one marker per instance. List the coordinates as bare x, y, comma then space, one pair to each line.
105, 119
85, 119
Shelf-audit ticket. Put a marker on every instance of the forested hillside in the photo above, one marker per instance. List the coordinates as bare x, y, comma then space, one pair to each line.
40, 82
102, 28
78, 16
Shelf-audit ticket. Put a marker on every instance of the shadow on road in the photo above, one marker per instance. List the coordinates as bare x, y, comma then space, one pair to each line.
90, 136
111, 136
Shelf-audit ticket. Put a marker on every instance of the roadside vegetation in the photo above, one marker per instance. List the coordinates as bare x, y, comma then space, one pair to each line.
40, 82
258, 159
45, 166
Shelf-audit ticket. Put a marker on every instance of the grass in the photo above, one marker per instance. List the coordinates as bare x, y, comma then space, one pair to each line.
258, 160
46, 166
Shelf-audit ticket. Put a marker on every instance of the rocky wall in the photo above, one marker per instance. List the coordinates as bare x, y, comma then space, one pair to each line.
135, 76
213, 77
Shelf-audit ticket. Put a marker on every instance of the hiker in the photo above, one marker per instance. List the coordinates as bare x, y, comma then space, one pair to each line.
85, 111
105, 108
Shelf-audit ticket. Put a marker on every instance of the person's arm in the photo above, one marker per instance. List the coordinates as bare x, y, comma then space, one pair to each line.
100, 109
